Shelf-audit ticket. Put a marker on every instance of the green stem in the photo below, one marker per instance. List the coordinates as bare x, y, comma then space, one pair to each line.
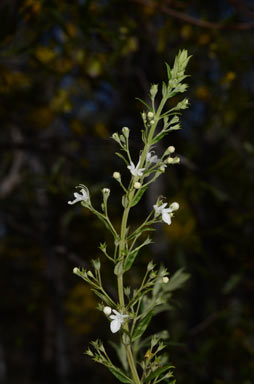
122, 244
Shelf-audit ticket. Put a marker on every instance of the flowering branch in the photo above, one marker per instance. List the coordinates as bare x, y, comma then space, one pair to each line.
135, 308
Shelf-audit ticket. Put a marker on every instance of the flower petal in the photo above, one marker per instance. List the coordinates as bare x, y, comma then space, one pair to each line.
166, 218
115, 325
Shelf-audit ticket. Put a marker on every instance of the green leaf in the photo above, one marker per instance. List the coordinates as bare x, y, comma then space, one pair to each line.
121, 353
168, 71
120, 375
138, 196
118, 270
130, 260
103, 297
177, 280
142, 325
133, 254
143, 102
122, 157
140, 231
158, 372
159, 136
164, 90
125, 201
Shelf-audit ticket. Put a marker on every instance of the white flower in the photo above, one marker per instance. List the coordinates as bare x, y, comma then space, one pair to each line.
165, 279
117, 321
107, 311
135, 171
83, 196
164, 212
150, 158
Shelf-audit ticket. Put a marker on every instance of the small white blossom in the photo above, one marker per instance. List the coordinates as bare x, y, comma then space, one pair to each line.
83, 196
150, 158
164, 212
117, 321
165, 279
150, 115
135, 171
107, 311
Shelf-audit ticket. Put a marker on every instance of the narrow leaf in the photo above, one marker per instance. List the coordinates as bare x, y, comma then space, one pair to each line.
159, 136
122, 157
120, 375
133, 254
138, 196
142, 325
118, 270
143, 102
104, 298
168, 71
177, 280
130, 260
158, 372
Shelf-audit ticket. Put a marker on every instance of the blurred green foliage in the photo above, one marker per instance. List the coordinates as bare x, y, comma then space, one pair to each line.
69, 72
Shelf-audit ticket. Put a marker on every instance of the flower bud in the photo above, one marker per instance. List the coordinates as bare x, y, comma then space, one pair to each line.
165, 279
150, 115
171, 149
97, 264
75, 270
137, 185
107, 311
174, 206
150, 266
162, 168
176, 160
143, 115
106, 192
152, 121
170, 160
182, 104
115, 137
126, 131
117, 176
154, 90
90, 273
89, 352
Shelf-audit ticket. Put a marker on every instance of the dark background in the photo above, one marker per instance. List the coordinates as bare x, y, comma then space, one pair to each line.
69, 75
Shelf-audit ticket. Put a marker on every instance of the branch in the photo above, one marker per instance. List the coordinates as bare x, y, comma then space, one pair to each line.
10, 181
192, 20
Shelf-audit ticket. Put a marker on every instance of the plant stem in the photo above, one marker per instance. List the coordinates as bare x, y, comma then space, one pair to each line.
122, 245
129, 353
